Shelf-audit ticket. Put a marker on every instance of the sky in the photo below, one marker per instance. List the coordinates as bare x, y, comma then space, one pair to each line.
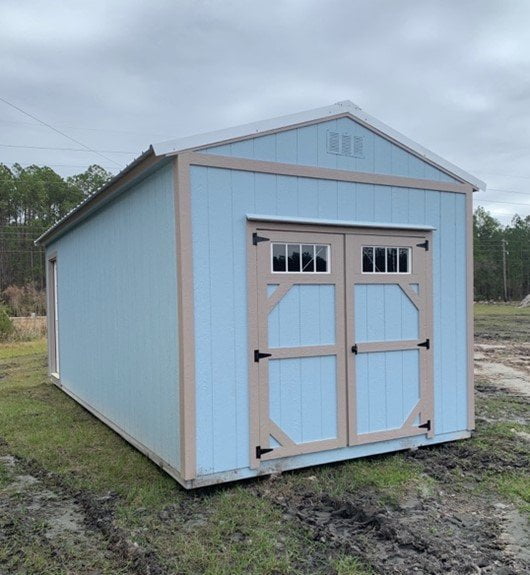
118, 75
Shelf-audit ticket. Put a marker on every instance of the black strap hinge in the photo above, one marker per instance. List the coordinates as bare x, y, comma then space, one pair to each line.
262, 450
355, 349
426, 425
426, 344
258, 355
424, 245
257, 239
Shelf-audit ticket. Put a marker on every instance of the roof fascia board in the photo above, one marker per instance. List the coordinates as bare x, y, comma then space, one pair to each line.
138, 169
318, 115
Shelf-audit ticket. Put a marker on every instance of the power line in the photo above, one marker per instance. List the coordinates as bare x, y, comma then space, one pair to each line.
69, 166
507, 191
57, 131
498, 202
504, 175
92, 129
63, 149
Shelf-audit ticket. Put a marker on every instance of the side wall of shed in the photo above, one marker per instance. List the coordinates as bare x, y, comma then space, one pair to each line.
118, 328
221, 198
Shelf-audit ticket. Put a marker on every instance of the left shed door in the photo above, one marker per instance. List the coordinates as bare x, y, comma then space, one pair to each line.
297, 359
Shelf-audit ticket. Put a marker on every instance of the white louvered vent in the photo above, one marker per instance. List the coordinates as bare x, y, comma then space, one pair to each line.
345, 144
358, 147
333, 142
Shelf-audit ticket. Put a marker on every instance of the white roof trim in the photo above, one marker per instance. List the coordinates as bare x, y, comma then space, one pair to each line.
338, 223
201, 140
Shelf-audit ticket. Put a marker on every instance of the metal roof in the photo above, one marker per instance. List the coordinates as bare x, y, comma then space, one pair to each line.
340, 109
345, 108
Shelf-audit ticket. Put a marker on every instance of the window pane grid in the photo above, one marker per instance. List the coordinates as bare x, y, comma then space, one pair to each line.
385, 260
300, 258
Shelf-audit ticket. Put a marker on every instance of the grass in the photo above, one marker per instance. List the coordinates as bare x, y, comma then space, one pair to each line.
502, 321
219, 531
234, 529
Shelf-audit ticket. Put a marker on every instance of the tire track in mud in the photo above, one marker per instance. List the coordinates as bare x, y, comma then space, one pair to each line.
445, 533
443, 526
66, 511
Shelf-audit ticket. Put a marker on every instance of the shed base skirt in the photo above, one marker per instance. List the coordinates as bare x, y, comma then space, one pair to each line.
323, 457
274, 466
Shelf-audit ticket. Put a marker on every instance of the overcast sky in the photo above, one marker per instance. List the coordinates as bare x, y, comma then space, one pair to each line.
117, 75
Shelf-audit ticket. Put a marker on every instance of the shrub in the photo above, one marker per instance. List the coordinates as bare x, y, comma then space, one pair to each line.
25, 300
6, 325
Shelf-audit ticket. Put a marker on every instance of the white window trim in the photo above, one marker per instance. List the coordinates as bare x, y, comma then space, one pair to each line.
55, 317
305, 273
397, 273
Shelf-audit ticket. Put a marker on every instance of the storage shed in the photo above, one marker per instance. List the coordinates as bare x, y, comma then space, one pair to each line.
278, 295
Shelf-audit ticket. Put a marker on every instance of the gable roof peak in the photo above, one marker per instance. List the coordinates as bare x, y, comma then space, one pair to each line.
344, 107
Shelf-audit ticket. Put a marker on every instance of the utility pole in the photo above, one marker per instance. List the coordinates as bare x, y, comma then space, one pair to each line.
503, 242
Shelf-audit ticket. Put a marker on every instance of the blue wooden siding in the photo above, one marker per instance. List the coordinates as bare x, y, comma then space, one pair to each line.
384, 313
220, 200
387, 389
303, 397
304, 316
308, 146
118, 313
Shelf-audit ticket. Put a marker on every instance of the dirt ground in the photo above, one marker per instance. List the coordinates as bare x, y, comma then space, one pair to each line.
448, 526
456, 518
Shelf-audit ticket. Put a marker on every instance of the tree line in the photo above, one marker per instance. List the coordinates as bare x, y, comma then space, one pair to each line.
501, 257
33, 198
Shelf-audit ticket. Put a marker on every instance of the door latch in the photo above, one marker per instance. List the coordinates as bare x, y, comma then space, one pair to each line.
354, 349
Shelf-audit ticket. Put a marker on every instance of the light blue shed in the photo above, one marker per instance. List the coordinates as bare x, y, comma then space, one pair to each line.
288, 293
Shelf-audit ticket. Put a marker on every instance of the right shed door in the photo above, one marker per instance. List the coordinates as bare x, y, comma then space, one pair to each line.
389, 334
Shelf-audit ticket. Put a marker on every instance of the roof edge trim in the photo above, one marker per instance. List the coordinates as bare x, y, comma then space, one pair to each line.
336, 223
114, 185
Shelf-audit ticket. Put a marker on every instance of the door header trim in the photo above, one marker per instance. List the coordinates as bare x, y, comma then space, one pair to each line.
337, 223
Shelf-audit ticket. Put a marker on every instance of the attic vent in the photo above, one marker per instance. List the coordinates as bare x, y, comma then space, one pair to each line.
358, 147
333, 142
345, 144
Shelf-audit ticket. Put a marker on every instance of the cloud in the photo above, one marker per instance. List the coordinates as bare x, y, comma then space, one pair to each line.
450, 75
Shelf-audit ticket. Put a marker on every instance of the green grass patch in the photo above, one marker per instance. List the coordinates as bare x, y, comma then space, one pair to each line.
392, 474
232, 531
514, 486
502, 321
348, 565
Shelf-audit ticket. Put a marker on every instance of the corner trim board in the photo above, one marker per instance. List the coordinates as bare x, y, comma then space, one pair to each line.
469, 312
181, 171
276, 168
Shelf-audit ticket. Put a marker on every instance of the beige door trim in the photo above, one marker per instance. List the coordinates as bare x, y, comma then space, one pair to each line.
260, 305
422, 275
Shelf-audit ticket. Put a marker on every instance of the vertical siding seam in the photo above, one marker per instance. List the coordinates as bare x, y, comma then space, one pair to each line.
211, 385
300, 395
455, 325
236, 362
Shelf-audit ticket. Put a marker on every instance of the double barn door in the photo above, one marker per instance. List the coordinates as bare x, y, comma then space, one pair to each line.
341, 338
